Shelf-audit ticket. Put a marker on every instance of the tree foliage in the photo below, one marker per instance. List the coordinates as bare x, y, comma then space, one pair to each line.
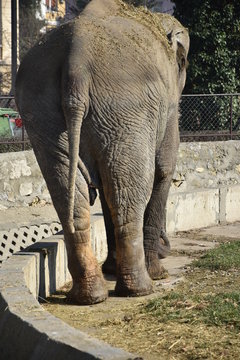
136, 2
214, 58
82, 3
29, 25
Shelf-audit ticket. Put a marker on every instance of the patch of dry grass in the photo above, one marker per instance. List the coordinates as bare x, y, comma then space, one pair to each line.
199, 319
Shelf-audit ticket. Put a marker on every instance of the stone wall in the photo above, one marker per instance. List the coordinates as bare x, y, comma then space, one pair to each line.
207, 165
21, 182
205, 190
200, 167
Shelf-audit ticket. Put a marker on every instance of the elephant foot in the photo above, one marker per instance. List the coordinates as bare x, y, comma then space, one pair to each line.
137, 283
155, 270
89, 286
109, 266
163, 245
155, 243
89, 290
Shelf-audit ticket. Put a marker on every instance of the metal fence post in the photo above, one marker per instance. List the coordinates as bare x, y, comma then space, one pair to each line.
23, 142
231, 108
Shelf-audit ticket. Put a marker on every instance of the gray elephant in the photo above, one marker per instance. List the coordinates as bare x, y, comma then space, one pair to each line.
99, 98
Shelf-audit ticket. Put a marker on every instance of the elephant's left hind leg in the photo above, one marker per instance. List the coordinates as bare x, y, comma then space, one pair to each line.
109, 266
88, 283
156, 244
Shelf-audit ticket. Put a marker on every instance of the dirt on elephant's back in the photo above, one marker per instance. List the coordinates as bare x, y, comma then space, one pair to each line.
116, 35
145, 17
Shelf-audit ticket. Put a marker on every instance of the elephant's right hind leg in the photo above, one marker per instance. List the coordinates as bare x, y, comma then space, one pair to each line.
88, 282
127, 219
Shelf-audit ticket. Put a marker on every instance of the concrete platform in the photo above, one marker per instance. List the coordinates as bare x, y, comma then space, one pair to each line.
21, 227
26, 330
29, 332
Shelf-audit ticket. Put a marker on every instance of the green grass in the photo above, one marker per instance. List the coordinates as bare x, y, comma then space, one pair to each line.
214, 309
190, 303
224, 257
223, 309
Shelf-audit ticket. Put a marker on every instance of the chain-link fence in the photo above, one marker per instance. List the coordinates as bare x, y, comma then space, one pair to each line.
203, 118
210, 117
13, 136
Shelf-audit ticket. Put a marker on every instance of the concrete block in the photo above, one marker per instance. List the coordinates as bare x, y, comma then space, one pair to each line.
31, 273
60, 261
27, 331
48, 266
193, 210
233, 204
22, 270
98, 237
68, 276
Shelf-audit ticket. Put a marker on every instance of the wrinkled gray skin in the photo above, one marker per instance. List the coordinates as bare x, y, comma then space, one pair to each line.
99, 98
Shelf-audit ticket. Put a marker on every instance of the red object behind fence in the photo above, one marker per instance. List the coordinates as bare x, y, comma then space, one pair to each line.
18, 122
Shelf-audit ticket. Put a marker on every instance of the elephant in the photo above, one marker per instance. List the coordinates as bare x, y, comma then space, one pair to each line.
99, 97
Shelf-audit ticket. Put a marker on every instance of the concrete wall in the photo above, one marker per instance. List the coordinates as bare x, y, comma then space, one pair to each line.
27, 331
205, 188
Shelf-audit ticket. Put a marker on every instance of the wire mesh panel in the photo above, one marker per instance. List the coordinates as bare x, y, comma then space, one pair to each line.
210, 117
203, 118
13, 136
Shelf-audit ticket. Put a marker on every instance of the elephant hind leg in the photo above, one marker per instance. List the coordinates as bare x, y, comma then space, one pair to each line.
88, 282
127, 206
109, 266
132, 275
156, 243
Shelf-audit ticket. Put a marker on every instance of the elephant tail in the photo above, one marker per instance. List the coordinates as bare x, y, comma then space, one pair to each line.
75, 163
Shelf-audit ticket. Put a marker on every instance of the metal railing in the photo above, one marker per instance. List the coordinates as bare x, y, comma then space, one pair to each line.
10, 143
203, 118
210, 117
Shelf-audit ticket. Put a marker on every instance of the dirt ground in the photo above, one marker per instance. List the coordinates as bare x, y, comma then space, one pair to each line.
123, 322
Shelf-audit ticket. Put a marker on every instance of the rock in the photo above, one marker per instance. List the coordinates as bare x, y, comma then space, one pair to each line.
237, 168
19, 168
25, 189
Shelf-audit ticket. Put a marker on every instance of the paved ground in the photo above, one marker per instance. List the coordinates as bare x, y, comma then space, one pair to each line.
36, 214
185, 247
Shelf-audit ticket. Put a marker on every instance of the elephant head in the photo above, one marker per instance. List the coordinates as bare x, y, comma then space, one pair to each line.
179, 41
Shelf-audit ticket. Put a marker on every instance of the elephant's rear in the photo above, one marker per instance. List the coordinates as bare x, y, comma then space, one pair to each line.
38, 80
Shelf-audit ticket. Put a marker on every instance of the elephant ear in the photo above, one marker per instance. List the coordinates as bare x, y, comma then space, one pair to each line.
180, 43
178, 38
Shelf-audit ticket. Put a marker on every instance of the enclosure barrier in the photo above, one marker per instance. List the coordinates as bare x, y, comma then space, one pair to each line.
11, 143
210, 117
204, 117
27, 331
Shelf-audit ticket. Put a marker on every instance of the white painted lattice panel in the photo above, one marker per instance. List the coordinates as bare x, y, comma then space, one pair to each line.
14, 240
